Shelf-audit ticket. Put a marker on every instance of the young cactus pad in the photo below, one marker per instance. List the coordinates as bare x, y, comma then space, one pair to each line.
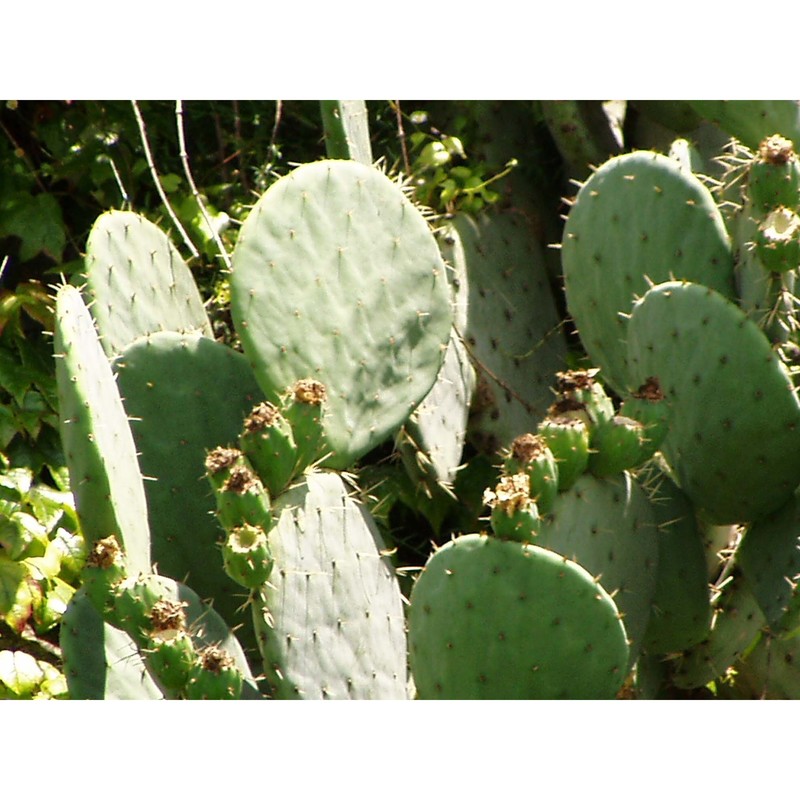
338, 277
98, 444
734, 441
138, 283
638, 219
493, 619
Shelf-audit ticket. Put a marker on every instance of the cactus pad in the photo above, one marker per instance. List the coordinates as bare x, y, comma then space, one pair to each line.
337, 277
734, 441
493, 619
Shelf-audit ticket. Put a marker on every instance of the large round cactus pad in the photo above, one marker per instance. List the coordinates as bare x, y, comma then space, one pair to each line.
337, 277
493, 619
734, 441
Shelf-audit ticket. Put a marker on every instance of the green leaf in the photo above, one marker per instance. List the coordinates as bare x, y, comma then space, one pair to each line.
17, 593
20, 672
37, 221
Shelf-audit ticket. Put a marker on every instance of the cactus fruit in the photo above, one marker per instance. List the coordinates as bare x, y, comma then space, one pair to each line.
568, 440
337, 277
246, 556
268, 443
214, 676
530, 454
494, 619
515, 514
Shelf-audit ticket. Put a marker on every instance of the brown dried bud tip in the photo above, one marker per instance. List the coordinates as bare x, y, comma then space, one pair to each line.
511, 493
168, 615
241, 481
650, 390
310, 391
575, 380
565, 406
776, 149
222, 458
262, 416
527, 447
215, 659
104, 553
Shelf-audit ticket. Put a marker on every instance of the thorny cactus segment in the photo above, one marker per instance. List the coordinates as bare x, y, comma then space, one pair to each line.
495, 619
338, 277
100, 452
638, 220
734, 438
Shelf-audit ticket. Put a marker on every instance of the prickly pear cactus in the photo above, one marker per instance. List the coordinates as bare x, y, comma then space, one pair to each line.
639, 220
494, 619
137, 283
734, 440
607, 526
511, 328
99, 447
186, 394
337, 277
329, 620
750, 121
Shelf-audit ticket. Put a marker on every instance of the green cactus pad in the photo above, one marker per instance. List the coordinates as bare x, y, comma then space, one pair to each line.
681, 611
736, 627
330, 619
437, 430
638, 219
346, 125
337, 277
187, 394
582, 132
750, 121
493, 619
734, 442
138, 283
511, 326
770, 561
98, 445
100, 661
607, 526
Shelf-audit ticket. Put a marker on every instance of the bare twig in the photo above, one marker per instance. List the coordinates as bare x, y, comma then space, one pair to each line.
157, 180
195, 193
401, 135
